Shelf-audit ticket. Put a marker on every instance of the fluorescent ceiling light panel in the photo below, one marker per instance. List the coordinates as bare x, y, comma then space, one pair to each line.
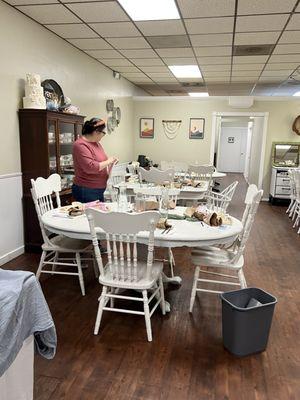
199, 94
296, 94
185, 71
150, 10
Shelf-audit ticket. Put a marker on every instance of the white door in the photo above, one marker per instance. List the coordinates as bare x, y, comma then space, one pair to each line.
232, 149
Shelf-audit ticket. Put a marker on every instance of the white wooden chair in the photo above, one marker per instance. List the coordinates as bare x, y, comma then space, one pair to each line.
155, 175
202, 173
291, 208
156, 194
221, 201
42, 191
296, 211
124, 270
230, 259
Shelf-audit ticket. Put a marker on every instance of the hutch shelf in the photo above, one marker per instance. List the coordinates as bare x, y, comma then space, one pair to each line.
46, 139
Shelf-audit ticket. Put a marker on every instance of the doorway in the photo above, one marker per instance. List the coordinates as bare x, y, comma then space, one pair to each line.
238, 144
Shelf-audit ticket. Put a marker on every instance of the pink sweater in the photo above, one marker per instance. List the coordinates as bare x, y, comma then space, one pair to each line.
86, 157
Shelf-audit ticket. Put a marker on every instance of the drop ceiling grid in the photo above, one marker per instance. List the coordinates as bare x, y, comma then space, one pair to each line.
277, 23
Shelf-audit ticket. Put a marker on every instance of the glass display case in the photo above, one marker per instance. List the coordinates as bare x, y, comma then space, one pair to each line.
285, 154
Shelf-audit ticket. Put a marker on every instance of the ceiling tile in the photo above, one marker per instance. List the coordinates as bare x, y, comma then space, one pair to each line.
290, 37
209, 25
23, 2
143, 53
206, 8
155, 68
243, 79
134, 75
126, 69
155, 75
213, 51
211, 39
140, 62
280, 73
129, 43
215, 68
214, 60
212, 79
116, 29
90, 44
103, 53
270, 79
294, 23
180, 52
78, 1
191, 80
164, 79
256, 38
180, 61
72, 31
107, 11
116, 62
249, 59
48, 14
261, 23
172, 41
264, 6
279, 66
246, 73
219, 74
287, 49
247, 67
160, 28
140, 80
285, 58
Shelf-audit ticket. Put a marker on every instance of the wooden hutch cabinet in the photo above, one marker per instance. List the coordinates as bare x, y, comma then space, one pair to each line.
46, 139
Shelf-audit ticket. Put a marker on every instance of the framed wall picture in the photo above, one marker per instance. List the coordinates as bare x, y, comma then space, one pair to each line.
147, 128
196, 128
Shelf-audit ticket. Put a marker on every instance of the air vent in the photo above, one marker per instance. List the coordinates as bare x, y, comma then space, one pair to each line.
192, 84
175, 91
253, 50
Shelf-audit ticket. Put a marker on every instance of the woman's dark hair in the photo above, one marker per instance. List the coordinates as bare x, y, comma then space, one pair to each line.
91, 125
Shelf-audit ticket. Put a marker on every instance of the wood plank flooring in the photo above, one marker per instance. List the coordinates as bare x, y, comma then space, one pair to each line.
186, 360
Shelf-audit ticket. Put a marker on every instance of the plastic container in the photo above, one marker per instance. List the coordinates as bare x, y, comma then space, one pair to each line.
246, 330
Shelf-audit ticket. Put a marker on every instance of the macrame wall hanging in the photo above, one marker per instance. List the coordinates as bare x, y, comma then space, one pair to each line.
171, 127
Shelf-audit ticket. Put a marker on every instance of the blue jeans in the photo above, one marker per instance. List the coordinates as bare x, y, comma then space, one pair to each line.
85, 195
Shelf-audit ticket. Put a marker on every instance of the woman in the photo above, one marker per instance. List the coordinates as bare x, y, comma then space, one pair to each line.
91, 164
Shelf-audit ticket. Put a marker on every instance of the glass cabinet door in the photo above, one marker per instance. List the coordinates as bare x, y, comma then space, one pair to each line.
66, 140
52, 147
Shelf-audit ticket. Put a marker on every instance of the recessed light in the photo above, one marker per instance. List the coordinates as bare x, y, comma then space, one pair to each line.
198, 94
296, 94
185, 71
146, 10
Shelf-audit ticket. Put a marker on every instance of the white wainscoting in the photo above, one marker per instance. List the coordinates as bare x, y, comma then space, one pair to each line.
11, 217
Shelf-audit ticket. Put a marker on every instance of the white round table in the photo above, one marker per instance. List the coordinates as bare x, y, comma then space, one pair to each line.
183, 232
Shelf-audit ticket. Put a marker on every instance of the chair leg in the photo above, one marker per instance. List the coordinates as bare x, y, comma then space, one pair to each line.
112, 300
147, 316
38, 272
171, 261
162, 296
80, 275
242, 279
95, 266
193, 294
54, 260
100, 310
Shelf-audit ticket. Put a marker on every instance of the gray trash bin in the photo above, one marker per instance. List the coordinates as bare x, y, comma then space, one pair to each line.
246, 329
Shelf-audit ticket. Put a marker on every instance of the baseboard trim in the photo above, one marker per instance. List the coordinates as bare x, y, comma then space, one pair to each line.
265, 199
11, 255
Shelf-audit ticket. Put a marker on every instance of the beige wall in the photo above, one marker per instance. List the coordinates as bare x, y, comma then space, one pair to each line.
25, 47
281, 116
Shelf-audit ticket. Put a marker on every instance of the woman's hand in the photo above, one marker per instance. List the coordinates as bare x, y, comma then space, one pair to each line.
111, 160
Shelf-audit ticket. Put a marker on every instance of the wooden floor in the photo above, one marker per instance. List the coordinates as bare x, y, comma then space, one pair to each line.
186, 359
